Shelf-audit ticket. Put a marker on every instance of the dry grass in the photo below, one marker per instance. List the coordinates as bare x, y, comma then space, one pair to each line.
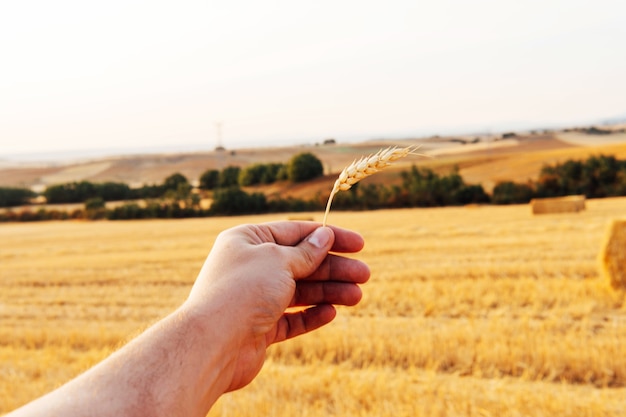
471, 311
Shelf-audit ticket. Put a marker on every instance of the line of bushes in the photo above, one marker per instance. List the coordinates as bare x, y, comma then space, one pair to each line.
12, 196
301, 167
79, 192
421, 188
598, 176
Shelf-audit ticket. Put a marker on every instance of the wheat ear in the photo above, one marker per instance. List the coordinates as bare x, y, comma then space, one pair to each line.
365, 167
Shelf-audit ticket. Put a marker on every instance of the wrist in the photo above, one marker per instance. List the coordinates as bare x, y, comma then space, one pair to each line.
211, 356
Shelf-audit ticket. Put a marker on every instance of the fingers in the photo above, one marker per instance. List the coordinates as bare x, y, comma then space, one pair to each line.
346, 241
310, 259
294, 324
338, 268
306, 258
329, 292
303, 246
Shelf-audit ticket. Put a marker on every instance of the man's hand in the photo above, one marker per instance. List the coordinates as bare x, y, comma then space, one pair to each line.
259, 271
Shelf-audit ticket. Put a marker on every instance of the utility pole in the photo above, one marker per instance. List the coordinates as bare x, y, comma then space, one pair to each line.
218, 135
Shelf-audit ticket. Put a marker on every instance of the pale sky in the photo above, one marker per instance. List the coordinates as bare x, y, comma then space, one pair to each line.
131, 74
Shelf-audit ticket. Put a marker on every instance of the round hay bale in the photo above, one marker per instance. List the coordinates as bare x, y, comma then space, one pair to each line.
613, 255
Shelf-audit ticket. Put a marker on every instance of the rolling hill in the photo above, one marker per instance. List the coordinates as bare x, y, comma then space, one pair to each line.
479, 160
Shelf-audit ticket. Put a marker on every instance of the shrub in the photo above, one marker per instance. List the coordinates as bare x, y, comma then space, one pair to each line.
272, 173
508, 192
209, 179
73, 192
229, 177
126, 212
174, 182
10, 197
94, 203
95, 208
424, 188
77, 192
233, 200
252, 174
304, 167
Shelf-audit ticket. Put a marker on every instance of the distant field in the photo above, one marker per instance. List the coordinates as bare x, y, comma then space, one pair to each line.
582, 139
522, 164
470, 311
485, 163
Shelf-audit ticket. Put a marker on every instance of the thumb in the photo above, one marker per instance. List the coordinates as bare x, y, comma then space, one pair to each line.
312, 252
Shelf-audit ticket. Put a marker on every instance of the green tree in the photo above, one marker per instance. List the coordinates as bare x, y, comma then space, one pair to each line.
95, 208
600, 173
126, 212
148, 191
10, 197
209, 179
74, 192
112, 191
598, 176
252, 174
508, 192
174, 181
282, 174
94, 203
471, 194
272, 173
425, 188
233, 201
229, 177
260, 174
305, 166
176, 187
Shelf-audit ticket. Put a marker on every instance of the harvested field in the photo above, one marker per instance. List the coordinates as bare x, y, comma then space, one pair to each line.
470, 311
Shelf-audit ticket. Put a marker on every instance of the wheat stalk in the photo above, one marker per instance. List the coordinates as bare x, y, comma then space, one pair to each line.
365, 167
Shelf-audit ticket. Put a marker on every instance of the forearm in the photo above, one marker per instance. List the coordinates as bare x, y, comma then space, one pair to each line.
216, 342
178, 367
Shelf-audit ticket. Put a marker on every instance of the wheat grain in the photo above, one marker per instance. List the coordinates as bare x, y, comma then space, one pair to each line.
365, 167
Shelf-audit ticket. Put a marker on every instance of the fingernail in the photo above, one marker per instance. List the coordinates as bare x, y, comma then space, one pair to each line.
320, 237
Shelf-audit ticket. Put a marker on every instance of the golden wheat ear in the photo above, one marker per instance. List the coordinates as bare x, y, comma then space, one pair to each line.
365, 167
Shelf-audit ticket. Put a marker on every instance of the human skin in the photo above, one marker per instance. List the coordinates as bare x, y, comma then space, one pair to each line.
216, 341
